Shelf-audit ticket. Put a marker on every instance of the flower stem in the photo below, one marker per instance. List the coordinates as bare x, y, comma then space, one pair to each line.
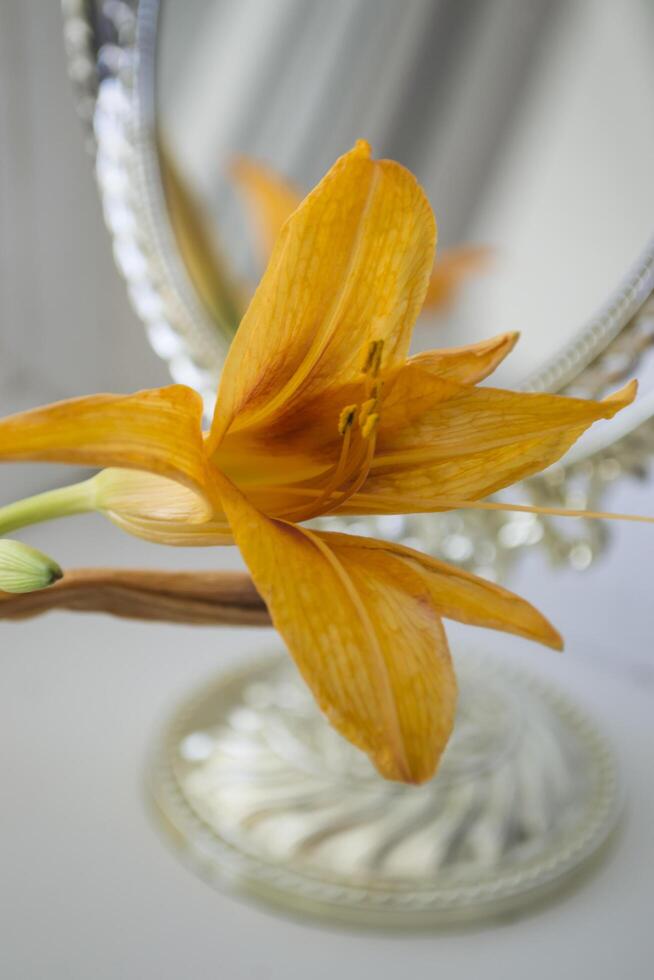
79, 498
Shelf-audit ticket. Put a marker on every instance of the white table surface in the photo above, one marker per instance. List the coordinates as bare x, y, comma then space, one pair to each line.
90, 891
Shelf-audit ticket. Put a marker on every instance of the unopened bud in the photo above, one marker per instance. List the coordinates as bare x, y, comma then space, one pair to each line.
24, 569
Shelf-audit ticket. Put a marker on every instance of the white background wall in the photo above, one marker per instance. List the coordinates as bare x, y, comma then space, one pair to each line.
65, 324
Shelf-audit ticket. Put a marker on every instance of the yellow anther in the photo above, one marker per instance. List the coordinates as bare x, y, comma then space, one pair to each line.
372, 361
346, 419
376, 361
365, 367
366, 409
370, 425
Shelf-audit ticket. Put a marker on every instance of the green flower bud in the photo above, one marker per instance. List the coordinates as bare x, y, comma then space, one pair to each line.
24, 569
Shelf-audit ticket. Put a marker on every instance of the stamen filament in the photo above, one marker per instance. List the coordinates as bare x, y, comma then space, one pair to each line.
595, 515
444, 503
337, 476
360, 480
320, 507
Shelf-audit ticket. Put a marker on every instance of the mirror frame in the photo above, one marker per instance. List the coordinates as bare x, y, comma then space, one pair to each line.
111, 51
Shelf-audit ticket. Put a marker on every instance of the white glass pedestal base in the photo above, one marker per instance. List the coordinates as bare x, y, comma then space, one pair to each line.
264, 798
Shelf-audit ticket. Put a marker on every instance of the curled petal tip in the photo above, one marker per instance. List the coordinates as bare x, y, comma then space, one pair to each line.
619, 399
398, 768
362, 148
623, 396
505, 341
554, 640
511, 338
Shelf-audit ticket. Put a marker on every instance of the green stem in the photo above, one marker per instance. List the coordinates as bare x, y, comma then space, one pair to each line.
79, 498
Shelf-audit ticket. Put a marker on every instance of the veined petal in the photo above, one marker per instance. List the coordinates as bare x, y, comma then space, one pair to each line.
438, 440
350, 266
424, 412
466, 365
459, 595
364, 633
159, 431
158, 509
146, 495
270, 200
173, 533
299, 447
306, 444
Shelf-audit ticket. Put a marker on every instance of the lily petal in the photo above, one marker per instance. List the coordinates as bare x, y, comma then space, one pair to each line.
459, 595
159, 431
350, 266
364, 633
438, 440
146, 495
288, 449
173, 533
158, 509
271, 200
467, 365
303, 446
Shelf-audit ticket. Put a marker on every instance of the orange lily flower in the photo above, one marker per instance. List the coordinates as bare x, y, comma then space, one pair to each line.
319, 411
271, 199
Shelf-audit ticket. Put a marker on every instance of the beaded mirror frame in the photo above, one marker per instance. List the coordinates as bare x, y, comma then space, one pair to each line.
111, 47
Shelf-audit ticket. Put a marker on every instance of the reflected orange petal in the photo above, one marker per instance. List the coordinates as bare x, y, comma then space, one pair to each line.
198, 247
269, 198
453, 266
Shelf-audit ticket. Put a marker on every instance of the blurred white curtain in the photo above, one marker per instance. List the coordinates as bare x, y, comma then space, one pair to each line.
66, 327
65, 323
432, 83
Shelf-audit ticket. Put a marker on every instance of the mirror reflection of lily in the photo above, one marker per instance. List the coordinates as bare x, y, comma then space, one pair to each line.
271, 200
321, 411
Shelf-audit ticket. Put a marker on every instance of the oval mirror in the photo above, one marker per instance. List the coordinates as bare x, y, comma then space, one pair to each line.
529, 125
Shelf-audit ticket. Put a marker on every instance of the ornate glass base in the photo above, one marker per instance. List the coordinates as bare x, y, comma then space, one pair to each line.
264, 797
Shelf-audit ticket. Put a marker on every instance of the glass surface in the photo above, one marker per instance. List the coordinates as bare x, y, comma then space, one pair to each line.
529, 125
262, 796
